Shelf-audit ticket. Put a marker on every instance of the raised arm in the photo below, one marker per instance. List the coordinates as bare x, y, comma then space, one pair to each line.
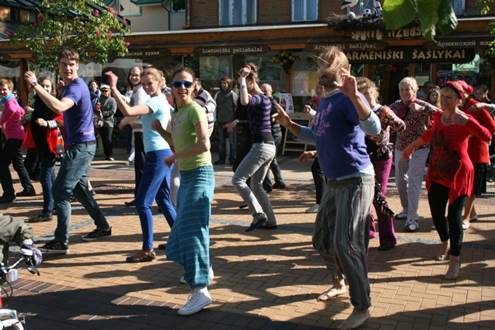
56, 105
126, 109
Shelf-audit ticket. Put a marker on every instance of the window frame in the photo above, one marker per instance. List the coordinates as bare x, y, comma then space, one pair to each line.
305, 14
244, 15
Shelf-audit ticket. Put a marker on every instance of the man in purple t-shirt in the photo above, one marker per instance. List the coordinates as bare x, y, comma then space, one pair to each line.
72, 178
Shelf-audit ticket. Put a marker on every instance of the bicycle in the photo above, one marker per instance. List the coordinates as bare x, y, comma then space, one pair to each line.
9, 319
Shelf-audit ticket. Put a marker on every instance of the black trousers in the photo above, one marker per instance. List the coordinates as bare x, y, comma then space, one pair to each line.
106, 138
274, 166
139, 155
32, 163
11, 153
318, 178
450, 226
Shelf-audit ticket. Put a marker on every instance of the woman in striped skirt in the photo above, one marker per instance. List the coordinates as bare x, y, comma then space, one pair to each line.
189, 240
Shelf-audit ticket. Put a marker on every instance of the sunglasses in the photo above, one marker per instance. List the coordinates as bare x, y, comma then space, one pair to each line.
182, 84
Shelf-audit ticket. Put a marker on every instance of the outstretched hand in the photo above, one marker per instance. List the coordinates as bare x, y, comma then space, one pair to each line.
283, 118
307, 155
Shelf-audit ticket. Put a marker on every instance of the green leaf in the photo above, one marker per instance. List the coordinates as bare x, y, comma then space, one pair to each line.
398, 13
428, 16
448, 19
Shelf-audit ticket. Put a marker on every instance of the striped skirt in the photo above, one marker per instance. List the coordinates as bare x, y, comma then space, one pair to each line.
189, 240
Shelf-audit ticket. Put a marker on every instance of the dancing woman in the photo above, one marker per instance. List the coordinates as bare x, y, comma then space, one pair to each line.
449, 180
155, 182
341, 230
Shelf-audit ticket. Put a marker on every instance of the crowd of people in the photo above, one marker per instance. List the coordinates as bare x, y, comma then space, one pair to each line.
449, 128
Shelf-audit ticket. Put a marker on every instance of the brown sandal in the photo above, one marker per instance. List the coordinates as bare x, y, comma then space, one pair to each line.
142, 256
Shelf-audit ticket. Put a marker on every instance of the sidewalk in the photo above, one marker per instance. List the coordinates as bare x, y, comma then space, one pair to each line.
264, 279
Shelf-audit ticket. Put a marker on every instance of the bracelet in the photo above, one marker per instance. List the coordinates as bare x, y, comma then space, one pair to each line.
34, 83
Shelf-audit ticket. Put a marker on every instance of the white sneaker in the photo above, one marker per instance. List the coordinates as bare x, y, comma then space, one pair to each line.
199, 299
313, 209
466, 224
211, 275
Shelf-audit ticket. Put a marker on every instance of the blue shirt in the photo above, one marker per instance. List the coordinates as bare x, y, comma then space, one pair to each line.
78, 120
340, 139
159, 109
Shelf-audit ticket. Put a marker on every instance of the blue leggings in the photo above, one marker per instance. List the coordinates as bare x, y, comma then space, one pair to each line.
154, 184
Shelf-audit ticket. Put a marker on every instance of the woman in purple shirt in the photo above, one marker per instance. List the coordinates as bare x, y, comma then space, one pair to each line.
341, 229
256, 163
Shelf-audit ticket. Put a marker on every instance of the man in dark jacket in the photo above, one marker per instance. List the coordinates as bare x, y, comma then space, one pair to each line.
226, 100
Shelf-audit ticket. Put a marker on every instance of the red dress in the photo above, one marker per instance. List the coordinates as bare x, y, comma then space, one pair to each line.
450, 165
477, 149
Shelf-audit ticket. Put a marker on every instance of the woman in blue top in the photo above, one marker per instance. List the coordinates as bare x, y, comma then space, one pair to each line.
155, 182
341, 229
256, 163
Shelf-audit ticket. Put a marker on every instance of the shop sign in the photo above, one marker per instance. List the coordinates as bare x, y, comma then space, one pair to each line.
142, 53
412, 55
377, 34
231, 50
346, 46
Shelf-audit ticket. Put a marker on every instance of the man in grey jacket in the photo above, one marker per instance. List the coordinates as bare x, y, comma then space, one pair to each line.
226, 100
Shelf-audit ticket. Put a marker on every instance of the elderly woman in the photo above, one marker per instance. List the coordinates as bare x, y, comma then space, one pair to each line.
340, 235
409, 172
380, 152
450, 174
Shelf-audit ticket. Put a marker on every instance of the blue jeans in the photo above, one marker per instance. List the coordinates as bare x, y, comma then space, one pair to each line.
154, 184
47, 178
255, 165
72, 179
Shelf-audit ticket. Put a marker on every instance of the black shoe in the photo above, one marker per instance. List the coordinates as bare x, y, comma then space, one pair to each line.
97, 233
41, 218
110, 159
162, 246
243, 206
54, 247
130, 203
26, 193
257, 223
386, 247
269, 227
7, 199
279, 185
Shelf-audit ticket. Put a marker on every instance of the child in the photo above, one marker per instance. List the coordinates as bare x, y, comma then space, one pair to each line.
13, 132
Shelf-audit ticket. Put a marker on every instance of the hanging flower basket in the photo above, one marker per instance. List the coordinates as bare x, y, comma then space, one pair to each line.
286, 59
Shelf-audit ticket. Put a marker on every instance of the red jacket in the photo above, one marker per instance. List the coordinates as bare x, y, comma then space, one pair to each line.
478, 149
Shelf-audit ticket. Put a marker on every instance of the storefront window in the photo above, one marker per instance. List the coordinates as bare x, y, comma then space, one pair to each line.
237, 12
304, 10
268, 71
213, 68
459, 7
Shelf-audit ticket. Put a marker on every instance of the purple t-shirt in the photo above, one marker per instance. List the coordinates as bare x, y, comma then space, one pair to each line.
339, 138
259, 118
78, 120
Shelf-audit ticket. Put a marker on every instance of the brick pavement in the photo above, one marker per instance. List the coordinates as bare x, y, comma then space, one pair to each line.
262, 279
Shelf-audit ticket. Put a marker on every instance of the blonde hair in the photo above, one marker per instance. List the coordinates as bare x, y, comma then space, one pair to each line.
364, 84
155, 73
410, 82
332, 61
7, 82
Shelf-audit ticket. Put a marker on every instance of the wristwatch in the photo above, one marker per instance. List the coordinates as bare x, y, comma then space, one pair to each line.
34, 83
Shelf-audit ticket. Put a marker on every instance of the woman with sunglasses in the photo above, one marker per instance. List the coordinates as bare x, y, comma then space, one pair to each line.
155, 182
450, 176
257, 162
189, 241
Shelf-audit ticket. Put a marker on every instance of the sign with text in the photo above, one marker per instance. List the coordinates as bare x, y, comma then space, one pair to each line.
412, 55
229, 50
377, 34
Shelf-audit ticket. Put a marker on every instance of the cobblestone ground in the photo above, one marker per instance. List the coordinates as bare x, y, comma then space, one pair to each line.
264, 279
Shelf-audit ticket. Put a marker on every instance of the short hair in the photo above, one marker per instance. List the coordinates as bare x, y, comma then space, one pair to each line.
410, 82
7, 82
332, 61
227, 80
155, 73
69, 54
184, 69
364, 83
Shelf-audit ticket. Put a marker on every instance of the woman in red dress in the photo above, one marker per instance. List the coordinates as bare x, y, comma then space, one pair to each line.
450, 173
